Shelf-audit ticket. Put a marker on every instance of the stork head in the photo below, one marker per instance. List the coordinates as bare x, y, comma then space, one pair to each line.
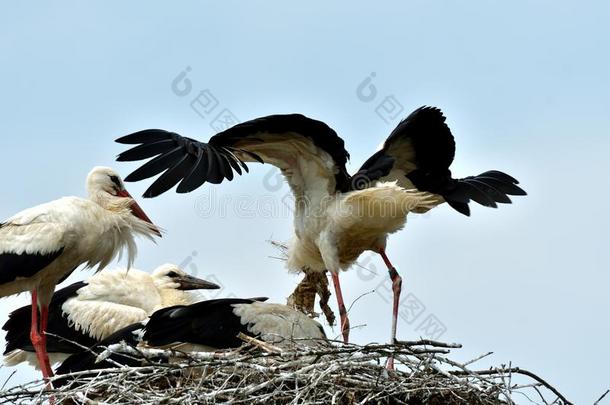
173, 277
106, 188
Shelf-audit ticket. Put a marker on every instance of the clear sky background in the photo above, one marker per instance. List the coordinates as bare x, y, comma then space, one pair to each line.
524, 85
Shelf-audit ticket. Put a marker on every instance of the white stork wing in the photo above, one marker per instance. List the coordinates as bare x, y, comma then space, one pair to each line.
112, 300
277, 323
308, 152
30, 241
418, 154
100, 319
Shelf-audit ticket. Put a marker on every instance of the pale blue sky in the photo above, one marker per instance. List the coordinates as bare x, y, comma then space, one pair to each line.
525, 87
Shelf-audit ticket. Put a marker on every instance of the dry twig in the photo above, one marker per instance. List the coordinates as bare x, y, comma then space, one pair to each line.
340, 374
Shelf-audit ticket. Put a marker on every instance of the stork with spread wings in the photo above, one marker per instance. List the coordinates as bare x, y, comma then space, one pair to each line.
337, 216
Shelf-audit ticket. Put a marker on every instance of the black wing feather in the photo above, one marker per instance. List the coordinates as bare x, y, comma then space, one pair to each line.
423, 148
375, 167
17, 326
489, 190
197, 175
171, 176
84, 360
211, 323
492, 186
147, 150
223, 150
145, 136
507, 188
460, 207
156, 165
227, 170
427, 141
232, 159
478, 195
215, 173
13, 265
500, 176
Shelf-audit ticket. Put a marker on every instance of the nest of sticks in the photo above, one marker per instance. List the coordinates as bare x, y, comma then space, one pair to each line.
262, 373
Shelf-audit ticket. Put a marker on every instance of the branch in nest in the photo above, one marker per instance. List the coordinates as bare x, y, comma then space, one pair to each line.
266, 374
259, 343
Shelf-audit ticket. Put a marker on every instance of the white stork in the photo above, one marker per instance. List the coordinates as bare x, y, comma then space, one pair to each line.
337, 216
205, 326
88, 312
42, 245
215, 324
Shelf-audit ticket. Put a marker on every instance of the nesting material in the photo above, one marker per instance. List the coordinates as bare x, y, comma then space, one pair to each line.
260, 373
304, 296
314, 284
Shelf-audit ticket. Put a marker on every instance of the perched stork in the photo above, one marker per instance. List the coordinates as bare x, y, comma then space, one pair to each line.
205, 326
88, 312
42, 245
337, 216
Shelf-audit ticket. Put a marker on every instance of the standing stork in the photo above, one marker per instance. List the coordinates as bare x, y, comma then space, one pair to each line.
337, 217
204, 326
84, 313
42, 245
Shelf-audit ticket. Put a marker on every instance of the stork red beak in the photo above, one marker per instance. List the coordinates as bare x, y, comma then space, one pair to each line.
137, 211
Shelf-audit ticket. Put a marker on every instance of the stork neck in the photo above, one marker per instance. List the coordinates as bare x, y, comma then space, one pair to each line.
110, 202
171, 297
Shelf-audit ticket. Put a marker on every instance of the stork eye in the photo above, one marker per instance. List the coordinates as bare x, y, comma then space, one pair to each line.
172, 274
116, 181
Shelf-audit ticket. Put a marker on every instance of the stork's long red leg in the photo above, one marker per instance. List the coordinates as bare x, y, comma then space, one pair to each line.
342, 310
396, 289
44, 321
38, 338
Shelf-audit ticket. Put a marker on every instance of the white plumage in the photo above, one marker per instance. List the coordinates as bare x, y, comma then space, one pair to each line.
278, 323
204, 326
349, 224
114, 299
42, 245
90, 231
109, 301
337, 216
211, 327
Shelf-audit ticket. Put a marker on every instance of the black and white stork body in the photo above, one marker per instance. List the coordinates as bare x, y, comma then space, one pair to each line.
337, 216
88, 312
205, 326
215, 324
42, 245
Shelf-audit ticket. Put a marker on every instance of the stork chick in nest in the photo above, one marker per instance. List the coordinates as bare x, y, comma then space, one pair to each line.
84, 313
